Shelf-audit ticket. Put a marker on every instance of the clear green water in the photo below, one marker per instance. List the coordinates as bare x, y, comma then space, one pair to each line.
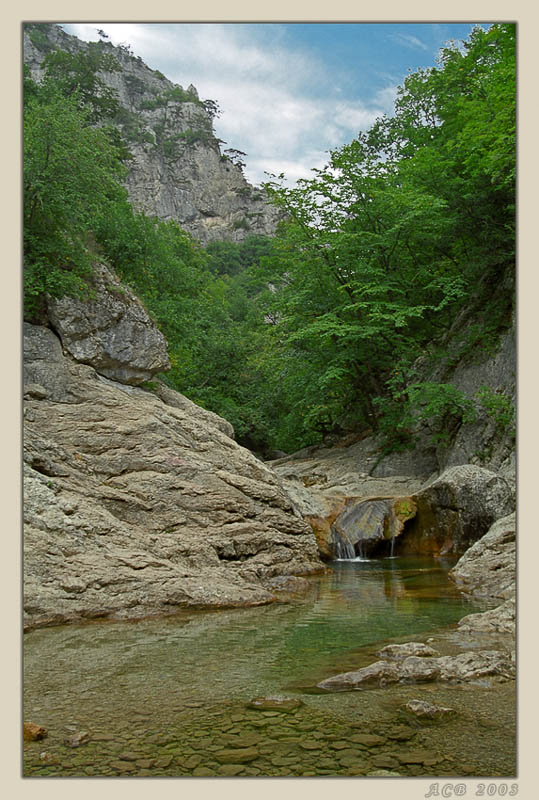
167, 696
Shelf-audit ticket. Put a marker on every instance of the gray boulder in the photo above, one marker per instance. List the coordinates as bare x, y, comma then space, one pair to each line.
111, 331
501, 619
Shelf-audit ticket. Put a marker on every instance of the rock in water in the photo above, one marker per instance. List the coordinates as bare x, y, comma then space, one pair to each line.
487, 569
275, 703
138, 505
396, 652
420, 708
414, 669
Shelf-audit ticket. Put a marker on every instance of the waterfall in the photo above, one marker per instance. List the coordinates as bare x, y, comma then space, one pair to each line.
344, 549
392, 547
361, 550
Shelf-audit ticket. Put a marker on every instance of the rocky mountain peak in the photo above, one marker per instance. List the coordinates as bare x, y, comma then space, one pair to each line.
178, 170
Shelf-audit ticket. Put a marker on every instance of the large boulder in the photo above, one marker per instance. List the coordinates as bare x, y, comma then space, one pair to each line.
138, 505
110, 330
455, 510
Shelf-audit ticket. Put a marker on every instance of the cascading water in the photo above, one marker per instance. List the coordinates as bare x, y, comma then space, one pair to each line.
344, 549
392, 548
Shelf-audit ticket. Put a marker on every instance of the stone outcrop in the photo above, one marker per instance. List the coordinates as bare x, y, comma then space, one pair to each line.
178, 170
487, 568
330, 486
138, 505
110, 330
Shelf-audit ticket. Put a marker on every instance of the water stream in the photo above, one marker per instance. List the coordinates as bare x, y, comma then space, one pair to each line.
169, 696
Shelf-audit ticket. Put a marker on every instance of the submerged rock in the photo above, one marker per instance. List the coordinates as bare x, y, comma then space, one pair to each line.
275, 703
76, 739
237, 755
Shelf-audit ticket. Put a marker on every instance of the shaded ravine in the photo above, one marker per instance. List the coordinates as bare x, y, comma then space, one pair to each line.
169, 696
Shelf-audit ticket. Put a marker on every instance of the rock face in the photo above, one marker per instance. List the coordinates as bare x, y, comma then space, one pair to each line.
178, 170
111, 331
137, 505
330, 487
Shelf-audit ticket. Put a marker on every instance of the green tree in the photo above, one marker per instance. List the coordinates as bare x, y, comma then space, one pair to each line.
71, 172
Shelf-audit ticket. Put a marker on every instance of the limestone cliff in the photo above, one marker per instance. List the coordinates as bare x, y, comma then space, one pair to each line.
178, 170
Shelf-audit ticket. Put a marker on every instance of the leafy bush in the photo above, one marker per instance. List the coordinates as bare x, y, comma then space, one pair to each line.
498, 406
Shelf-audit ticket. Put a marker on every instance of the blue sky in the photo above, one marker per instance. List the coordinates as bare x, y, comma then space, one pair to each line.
288, 92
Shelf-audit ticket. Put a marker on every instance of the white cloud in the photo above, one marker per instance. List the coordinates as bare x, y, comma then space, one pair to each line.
410, 41
278, 104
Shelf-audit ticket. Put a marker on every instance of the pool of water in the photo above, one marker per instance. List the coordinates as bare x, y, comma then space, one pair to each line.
169, 696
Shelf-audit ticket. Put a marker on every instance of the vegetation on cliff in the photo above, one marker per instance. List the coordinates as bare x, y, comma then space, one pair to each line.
320, 328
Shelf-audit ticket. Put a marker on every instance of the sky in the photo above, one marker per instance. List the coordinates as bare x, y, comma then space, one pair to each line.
288, 93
